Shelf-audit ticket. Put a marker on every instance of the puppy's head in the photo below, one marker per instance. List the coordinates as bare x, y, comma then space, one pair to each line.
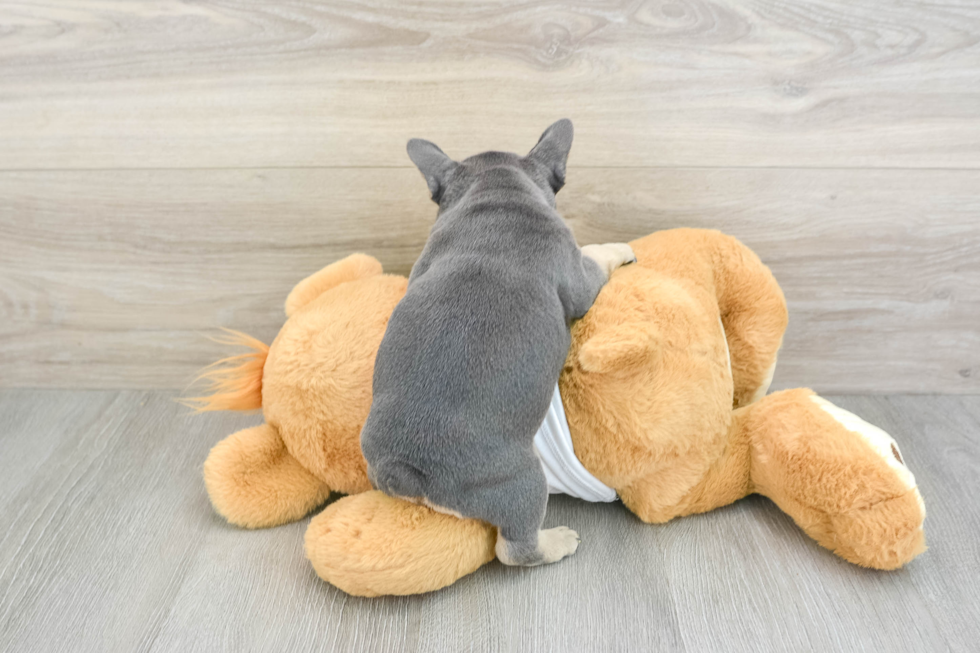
448, 180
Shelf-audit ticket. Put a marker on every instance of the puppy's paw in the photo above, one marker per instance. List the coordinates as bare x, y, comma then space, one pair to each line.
556, 543
626, 255
610, 256
549, 546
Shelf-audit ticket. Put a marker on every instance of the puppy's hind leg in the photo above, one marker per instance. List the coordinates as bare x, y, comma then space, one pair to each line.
547, 546
517, 507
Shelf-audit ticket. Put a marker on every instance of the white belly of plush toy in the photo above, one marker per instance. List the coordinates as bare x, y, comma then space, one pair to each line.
566, 475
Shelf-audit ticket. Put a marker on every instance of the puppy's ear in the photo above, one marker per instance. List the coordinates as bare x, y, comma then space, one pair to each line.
434, 165
552, 151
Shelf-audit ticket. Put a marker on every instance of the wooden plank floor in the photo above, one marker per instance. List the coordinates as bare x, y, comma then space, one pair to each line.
109, 544
172, 167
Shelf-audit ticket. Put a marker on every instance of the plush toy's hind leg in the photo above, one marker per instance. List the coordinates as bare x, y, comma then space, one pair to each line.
370, 544
254, 482
754, 316
750, 302
841, 479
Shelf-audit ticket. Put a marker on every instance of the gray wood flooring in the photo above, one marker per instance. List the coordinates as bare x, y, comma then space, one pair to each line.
109, 544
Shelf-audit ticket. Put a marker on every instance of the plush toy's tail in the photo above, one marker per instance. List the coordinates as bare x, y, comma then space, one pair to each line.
234, 383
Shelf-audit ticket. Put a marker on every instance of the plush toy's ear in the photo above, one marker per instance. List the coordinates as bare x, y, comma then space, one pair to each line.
617, 347
434, 165
351, 268
552, 151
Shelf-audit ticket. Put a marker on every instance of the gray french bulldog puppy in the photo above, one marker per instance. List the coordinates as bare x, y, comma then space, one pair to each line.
468, 364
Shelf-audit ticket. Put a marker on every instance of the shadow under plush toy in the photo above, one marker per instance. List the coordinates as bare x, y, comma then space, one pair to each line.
664, 392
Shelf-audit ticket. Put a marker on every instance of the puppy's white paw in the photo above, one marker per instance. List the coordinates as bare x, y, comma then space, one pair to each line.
556, 543
625, 252
610, 256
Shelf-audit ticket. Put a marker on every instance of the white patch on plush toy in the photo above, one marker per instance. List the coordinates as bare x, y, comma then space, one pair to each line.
882, 443
766, 382
728, 352
565, 473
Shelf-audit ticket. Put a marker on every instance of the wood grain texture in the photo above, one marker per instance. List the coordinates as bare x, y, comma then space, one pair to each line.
113, 279
110, 544
167, 168
657, 83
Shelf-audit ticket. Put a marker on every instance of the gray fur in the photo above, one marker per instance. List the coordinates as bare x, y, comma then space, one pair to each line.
465, 372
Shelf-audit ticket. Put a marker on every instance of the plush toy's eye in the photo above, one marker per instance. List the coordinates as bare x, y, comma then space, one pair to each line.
897, 455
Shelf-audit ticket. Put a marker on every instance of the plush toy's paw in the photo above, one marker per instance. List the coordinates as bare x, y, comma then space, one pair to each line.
254, 482
371, 544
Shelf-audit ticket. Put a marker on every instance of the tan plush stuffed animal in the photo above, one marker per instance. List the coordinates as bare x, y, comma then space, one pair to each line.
664, 391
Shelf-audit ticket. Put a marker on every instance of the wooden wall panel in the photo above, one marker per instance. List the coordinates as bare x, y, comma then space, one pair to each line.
131, 84
170, 167
114, 278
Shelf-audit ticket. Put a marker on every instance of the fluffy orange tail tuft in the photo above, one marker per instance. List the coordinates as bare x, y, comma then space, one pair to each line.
234, 383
